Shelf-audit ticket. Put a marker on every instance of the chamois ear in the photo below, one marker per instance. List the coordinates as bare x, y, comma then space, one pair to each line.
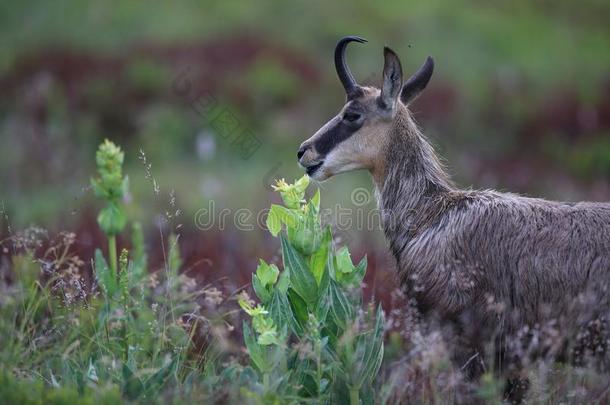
392, 79
417, 82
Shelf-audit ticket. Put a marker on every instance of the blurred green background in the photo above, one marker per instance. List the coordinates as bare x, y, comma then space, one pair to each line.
520, 101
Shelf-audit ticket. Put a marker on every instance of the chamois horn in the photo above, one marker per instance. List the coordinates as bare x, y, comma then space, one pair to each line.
346, 77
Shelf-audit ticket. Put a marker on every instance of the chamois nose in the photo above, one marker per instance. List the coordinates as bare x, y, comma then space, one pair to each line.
302, 151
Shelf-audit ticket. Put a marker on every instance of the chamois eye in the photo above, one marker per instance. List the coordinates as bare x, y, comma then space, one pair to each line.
351, 116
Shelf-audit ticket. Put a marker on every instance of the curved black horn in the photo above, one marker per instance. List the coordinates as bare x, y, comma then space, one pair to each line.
342, 70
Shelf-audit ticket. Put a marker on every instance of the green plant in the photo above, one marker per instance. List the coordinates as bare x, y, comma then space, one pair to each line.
147, 336
111, 186
130, 338
308, 337
141, 330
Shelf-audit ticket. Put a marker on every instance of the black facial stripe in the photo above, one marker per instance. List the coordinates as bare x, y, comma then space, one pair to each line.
335, 135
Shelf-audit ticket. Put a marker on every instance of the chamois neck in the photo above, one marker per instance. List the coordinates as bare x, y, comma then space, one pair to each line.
413, 181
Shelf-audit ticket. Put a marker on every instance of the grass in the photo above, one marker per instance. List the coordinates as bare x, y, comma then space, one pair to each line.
108, 329
133, 335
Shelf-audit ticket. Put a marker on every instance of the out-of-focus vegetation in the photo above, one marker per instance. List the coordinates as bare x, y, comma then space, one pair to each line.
520, 100
519, 96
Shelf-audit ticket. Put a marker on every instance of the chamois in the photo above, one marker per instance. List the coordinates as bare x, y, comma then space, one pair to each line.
457, 250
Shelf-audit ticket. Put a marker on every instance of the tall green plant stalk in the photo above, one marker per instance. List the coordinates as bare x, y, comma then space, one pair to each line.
354, 396
110, 186
112, 258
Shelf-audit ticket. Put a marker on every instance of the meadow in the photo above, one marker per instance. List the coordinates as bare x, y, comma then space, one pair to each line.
111, 330
128, 131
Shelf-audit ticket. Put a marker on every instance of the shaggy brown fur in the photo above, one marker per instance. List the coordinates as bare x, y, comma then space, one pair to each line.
490, 262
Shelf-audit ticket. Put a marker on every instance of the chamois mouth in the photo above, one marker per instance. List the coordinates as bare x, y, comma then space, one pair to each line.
310, 170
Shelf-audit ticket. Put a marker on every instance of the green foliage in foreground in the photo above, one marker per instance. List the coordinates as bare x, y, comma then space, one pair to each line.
122, 338
313, 305
136, 334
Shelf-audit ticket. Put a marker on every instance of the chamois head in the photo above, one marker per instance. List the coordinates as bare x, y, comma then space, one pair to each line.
355, 137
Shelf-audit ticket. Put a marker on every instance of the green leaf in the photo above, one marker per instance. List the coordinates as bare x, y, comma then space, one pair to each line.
344, 261
346, 272
279, 215
373, 349
98, 189
284, 282
112, 219
323, 304
255, 351
315, 201
268, 337
174, 260
318, 260
104, 275
340, 305
264, 279
262, 324
301, 239
261, 292
306, 236
301, 279
299, 307
161, 376
281, 312
91, 373
132, 386
267, 274
301, 184
360, 270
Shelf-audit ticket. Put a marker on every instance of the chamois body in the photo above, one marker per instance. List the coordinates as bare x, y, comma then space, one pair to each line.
459, 250
489, 262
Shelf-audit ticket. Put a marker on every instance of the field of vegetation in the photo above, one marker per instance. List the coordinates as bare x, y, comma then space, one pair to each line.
111, 330
122, 131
